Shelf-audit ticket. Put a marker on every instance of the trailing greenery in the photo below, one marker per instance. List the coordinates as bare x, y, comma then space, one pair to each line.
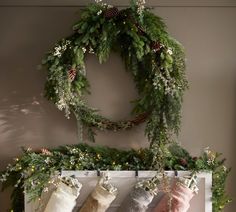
155, 60
33, 170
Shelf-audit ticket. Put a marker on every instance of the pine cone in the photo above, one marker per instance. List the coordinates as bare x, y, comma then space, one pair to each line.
140, 29
111, 12
183, 162
123, 14
156, 46
72, 74
140, 118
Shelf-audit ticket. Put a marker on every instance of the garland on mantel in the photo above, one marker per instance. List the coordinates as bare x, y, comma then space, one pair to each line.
34, 170
155, 60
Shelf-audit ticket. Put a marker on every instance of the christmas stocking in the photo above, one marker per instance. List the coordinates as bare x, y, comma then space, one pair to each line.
180, 196
102, 196
141, 196
63, 199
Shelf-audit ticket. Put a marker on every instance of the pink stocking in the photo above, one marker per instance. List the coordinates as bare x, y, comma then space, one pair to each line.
180, 198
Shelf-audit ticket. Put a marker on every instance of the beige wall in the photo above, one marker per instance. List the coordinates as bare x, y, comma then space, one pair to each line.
27, 119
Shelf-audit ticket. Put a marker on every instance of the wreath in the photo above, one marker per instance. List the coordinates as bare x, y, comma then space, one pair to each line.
155, 60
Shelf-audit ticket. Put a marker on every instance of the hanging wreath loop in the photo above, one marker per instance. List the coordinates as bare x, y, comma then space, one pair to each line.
154, 59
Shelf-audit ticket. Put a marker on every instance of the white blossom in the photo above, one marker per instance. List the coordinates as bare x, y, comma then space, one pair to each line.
45, 189
99, 12
29, 149
61, 104
3, 178
210, 156
67, 42
169, 51
47, 160
109, 6
209, 161
59, 49
206, 150
140, 6
74, 151
84, 49
91, 51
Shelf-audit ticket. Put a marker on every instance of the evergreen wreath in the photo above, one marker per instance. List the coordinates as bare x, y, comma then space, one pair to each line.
155, 60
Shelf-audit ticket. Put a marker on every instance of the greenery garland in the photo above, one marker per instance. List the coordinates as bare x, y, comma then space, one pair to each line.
33, 170
155, 60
